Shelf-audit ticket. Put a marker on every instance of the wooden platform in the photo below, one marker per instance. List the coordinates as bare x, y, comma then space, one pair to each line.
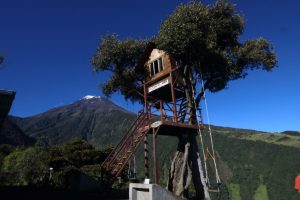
171, 128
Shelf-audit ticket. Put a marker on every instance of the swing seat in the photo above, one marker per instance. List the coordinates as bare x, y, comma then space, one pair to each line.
215, 189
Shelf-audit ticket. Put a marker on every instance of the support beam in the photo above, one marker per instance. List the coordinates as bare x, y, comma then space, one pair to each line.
146, 157
173, 98
155, 167
146, 108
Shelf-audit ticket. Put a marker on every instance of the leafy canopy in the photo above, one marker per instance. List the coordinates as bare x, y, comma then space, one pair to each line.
204, 38
120, 57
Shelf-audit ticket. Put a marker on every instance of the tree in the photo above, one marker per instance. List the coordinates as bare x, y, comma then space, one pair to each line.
204, 40
25, 167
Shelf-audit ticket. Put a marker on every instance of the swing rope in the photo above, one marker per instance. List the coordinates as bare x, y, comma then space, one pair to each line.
205, 156
210, 134
201, 140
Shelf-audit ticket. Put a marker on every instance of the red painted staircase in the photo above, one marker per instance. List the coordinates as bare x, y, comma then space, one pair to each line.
119, 157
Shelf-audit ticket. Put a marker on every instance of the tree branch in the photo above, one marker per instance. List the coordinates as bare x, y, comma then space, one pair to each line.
200, 95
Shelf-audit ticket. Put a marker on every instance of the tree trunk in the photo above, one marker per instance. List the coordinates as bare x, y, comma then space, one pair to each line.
186, 166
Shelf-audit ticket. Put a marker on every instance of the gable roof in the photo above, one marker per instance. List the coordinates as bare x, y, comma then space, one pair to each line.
145, 56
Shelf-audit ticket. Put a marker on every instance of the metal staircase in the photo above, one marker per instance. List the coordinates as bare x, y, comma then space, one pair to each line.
119, 157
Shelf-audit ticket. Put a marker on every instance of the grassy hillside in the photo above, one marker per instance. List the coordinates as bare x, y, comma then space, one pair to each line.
252, 164
287, 138
255, 164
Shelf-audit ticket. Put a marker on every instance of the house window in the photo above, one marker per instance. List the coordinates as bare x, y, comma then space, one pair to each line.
151, 69
156, 70
160, 64
156, 66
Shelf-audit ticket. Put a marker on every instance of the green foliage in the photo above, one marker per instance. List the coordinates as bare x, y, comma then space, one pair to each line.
64, 177
206, 38
5, 149
244, 164
31, 166
234, 191
120, 57
92, 170
253, 163
25, 167
261, 193
203, 37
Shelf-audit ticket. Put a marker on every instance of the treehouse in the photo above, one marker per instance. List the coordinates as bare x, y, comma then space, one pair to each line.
164, 94
169, 109
162, 73
166, 111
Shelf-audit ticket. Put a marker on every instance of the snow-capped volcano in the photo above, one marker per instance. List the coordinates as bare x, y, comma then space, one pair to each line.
90, 97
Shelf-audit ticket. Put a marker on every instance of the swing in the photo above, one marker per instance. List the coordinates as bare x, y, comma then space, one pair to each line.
207, 155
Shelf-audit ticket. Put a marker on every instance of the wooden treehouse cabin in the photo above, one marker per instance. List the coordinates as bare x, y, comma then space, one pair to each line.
166, 112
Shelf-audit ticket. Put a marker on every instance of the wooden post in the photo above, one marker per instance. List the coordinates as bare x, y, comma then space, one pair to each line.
145, 99
146, 157
173, 98
145, 139
155, 168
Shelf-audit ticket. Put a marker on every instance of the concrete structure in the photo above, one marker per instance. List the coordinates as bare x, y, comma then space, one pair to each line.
139, 191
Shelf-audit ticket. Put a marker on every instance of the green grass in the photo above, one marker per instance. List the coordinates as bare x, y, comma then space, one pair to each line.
274, 138
234, 190
261, 193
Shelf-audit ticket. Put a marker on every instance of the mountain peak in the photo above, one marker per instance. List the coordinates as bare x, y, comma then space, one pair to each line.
90, 97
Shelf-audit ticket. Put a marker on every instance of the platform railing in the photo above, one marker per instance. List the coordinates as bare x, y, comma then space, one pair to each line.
163, 111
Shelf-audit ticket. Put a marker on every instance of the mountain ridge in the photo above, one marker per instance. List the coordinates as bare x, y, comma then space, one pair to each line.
102, 107
82, 118
247, 159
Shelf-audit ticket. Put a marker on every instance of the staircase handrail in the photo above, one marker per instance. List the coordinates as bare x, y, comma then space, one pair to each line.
133, 149
123, 140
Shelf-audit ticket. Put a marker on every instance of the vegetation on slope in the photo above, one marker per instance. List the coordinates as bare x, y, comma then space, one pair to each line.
248, 160
30, 166
249, 168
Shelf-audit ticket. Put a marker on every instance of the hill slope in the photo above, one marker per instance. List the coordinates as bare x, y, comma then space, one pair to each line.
11, 134
95, 119
252, 164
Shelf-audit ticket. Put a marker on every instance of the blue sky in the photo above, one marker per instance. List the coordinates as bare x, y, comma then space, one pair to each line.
48, 44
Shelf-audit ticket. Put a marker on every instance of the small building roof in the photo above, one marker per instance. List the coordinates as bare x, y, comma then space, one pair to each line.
145, 56
6, 99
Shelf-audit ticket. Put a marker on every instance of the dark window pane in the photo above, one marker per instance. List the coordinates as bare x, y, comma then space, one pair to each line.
160, 64
156, 67
151, 69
